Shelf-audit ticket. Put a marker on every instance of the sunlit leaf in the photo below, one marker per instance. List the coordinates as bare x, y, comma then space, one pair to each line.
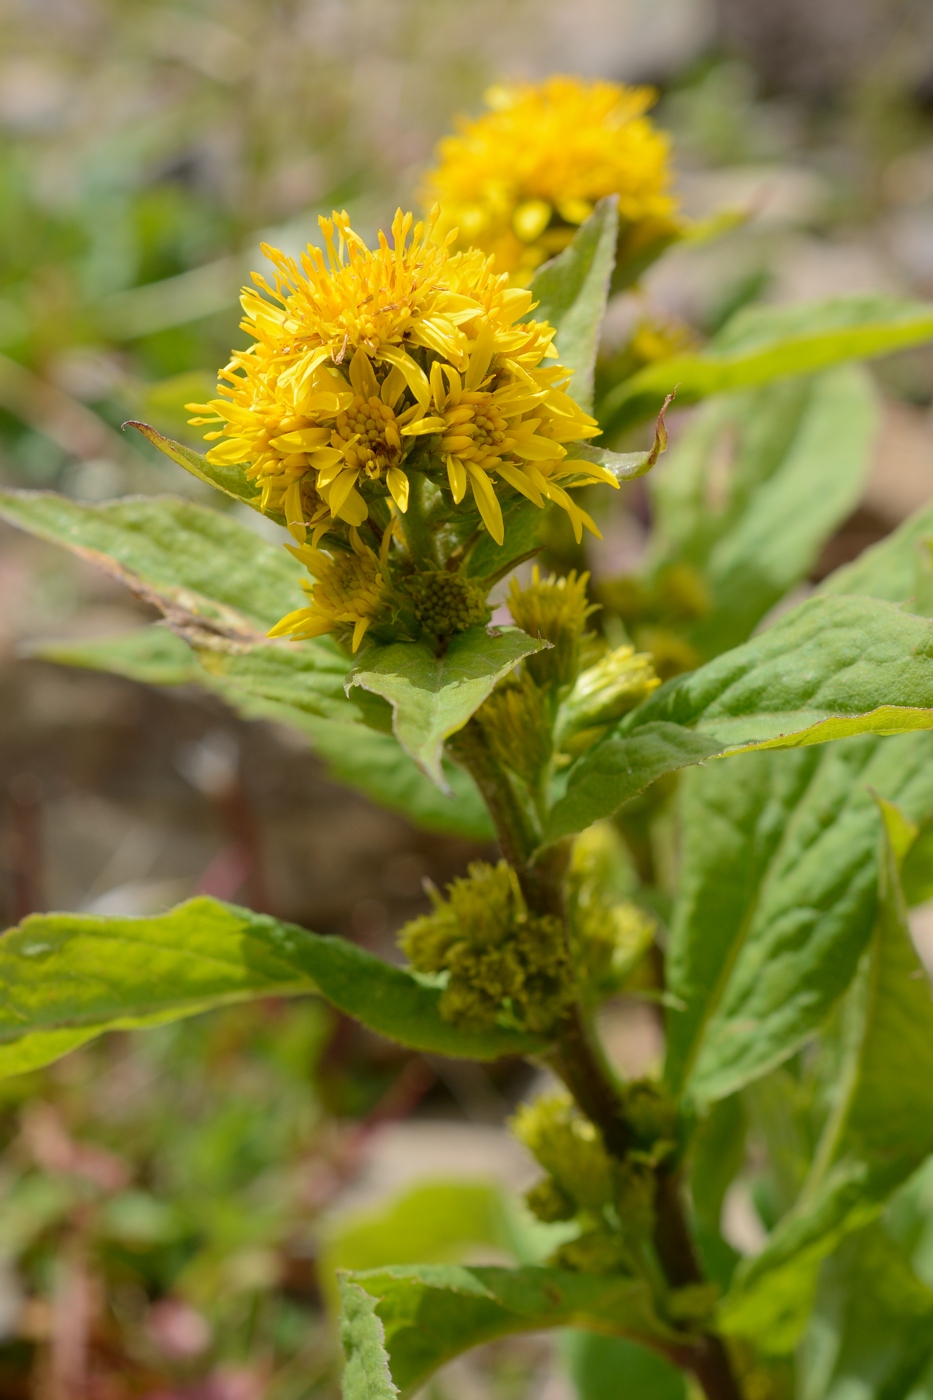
878, 1133
571, 292
67, 978
829, 669
762, 343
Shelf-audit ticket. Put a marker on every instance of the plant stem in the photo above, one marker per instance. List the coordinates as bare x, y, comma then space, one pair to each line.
420, 540
578, 1058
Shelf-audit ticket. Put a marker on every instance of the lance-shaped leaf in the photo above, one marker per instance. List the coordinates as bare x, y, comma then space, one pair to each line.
65, 978
752, 491
762, 343
777, 900
433, 1313
873, 1324
831, 668
232, 481
434, 696
571, 292
183, 557
878, 1134
371, 762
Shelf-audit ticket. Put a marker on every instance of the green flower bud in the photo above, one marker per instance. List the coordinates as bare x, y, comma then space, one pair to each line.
556, 610
595, 1252
608, 690
570, 1149
446, 603
548, 1202
516, 723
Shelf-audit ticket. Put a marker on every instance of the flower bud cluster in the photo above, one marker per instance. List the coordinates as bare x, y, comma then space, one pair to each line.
612, 1201
500, 963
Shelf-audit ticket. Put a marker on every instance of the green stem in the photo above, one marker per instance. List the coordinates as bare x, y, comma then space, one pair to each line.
422, 545
578, 1058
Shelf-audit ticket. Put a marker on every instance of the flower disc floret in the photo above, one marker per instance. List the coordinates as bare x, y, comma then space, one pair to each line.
518, 180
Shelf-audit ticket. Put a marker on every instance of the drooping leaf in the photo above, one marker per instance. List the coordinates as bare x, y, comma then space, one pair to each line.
878, 1134
231, 480
753, 489
66, 978
777, 900
435, 1312
829, 669
174, 553
571, 292
434, 696
763, 343
366, 1373
873, 1324
368, 761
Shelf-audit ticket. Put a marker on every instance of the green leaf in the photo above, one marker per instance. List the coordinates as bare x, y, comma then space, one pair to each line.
777, 900
231, 480
152, 655
272, 687
571, 292
435, 1312
189, 561
878, 1134
619, 768
366, 1373
434, 696
754, 488
307, 676
66, 978
762, 343
831, 668
896, 569
610, 1368
873, 1324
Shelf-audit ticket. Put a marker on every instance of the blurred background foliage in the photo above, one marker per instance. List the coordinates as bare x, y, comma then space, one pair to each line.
165, 1200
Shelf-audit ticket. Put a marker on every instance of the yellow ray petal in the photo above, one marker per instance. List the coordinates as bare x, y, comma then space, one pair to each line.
456, 475
398, 485
487, 503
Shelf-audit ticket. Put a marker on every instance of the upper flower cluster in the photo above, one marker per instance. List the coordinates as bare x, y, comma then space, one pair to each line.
366, 360
519, 180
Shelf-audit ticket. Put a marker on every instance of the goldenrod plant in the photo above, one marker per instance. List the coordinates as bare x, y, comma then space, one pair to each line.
736, 845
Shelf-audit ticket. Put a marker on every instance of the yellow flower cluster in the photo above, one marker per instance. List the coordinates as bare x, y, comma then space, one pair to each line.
519, 180
366, 360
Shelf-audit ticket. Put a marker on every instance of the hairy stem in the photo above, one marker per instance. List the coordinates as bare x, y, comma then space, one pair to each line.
578, 1058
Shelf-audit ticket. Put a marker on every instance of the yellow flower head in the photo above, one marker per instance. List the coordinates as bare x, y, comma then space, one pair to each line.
369, 363
517, 181
348, 593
